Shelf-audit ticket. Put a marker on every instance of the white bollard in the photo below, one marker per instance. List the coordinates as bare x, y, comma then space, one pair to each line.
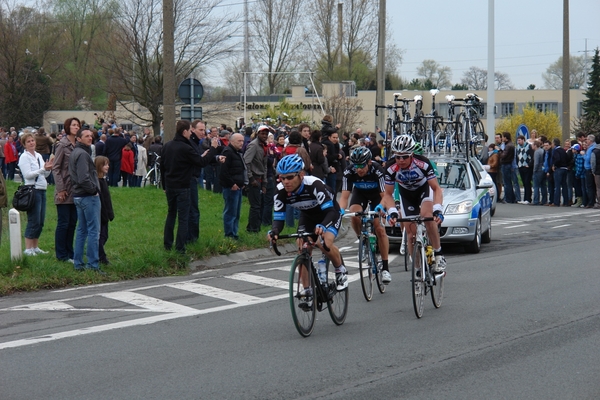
14, 230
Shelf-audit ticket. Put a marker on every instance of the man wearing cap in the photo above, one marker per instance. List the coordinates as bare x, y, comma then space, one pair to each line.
256, 165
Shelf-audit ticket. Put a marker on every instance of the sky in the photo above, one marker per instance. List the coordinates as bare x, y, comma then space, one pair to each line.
528, 34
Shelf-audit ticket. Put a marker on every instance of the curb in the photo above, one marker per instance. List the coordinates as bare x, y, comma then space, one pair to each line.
234, 258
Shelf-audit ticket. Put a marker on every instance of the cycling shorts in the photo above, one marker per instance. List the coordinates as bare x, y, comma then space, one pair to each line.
411, 200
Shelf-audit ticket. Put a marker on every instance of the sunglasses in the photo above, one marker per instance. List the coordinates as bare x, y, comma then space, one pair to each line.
359, 166
402, 156
287, 177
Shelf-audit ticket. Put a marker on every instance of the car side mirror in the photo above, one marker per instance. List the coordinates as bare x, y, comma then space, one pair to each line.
484, 184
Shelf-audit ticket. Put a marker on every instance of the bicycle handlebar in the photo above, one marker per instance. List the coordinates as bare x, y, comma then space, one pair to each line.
303, 235
389, 107
417, 219
360, 214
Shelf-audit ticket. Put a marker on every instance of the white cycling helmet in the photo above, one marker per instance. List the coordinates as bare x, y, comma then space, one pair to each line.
403, 144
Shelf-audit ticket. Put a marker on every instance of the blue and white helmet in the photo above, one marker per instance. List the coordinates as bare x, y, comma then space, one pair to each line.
290, 164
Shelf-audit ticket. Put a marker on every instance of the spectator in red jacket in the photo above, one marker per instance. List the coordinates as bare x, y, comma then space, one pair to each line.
127, 165
11, 156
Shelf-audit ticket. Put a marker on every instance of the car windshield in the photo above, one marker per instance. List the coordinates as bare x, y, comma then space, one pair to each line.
453, 175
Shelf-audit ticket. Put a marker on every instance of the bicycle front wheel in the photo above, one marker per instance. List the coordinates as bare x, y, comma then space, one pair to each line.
337, 302
365, 267
418, 275
437, 290
302, 296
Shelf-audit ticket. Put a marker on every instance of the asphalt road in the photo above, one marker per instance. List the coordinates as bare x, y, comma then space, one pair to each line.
519, 320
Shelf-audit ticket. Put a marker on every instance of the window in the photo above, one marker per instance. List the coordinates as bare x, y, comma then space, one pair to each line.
547, 107
127, 127
59, 128
507, 109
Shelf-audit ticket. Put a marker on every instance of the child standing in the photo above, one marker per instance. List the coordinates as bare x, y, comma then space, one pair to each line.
106, 209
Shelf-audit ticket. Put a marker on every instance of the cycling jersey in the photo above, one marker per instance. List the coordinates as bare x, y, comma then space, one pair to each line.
374, 180
315, 202
412, 178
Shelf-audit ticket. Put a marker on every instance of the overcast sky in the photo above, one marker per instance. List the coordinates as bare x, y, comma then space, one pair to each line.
454, 33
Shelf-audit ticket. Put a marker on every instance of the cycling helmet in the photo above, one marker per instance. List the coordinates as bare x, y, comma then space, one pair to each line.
290, 164
403, 144
418, 149
360, 155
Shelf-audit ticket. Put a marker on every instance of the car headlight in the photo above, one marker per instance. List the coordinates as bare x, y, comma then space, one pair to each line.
460, 208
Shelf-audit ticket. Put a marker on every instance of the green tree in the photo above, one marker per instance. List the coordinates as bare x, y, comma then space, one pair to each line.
546, 123
438, 75
591, 105
460, 86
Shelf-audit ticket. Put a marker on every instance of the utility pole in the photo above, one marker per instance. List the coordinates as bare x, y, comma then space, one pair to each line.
491, 90
585, 66
168, 71
566, 101
380, 96
246, 39
340, 30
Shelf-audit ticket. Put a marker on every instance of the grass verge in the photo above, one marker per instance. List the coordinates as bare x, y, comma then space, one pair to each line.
135, 245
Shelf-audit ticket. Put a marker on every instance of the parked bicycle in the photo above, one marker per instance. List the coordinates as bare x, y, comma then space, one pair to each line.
308, 294
390, 126
369, 265
153, 177
432, 127
424, 280
473, 132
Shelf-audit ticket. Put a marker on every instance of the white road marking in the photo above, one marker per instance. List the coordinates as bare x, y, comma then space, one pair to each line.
516, 226
559, 226
212, 291
86, 287
45, 306
147, 302
261, 280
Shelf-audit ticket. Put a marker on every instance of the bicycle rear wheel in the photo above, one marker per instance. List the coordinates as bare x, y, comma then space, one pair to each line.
378, 268
365, 267
337, 301
418, 272
437, 290
302, 296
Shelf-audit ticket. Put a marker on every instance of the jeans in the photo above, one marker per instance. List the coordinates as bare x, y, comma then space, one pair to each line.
201, 179
36, 216
10, 170
267, 202
3, 167
88, 230
590, 186
597, 181
570, 184
550, 180
178, 203
578, 184
114, 173
194, 217
126, 177
560, 182
330, 180
232, 211
526, 175
209, 176
509, 194
66, 222
254, 217
539, 185
515, 182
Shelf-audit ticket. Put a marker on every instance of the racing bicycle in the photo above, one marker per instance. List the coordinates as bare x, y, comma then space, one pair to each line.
424, 280
307, 293
370, 267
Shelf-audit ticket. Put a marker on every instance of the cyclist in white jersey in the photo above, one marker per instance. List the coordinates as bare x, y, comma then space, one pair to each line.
420, 193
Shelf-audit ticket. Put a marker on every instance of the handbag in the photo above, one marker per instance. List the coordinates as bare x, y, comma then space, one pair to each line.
24, 198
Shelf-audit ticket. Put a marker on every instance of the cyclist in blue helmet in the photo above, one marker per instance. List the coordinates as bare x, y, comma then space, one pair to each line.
319, 210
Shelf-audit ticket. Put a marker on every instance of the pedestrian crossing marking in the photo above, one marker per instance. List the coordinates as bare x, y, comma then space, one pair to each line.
211, 291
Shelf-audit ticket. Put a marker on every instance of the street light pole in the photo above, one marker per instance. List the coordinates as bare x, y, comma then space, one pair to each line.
168, 71
566, 101
380, 96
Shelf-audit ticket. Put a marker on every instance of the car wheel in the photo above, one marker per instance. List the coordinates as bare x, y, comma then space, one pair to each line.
475, 245
487, 236
492, 212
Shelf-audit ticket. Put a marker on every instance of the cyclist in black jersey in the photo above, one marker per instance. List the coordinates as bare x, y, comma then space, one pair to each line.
319, 210
420, 193
364, 178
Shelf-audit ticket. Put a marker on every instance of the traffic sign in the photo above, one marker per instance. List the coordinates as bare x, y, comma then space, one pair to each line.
522, 130
190, 91
190, 114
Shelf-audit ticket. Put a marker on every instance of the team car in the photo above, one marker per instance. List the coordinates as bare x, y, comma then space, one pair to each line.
469, 202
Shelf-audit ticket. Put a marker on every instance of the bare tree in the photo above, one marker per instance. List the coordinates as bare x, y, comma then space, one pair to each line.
345, 111
439, 76
553, 75
361, 17
274, 28
24, 84
321, 35
132, 52
476, 79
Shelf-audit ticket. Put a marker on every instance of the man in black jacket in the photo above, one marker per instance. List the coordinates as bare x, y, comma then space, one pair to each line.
559, 166
233, 179
178, 162
113, 150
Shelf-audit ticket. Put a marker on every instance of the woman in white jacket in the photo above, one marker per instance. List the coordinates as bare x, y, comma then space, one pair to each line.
34, 172
142, 163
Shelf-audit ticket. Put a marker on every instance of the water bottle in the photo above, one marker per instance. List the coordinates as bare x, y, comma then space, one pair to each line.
322, 269
430, 256
373, 241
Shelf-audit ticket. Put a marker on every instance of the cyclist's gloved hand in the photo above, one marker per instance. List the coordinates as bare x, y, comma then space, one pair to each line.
392, 215
321, 227
272, 235
380, 209
437, 212
342, 211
